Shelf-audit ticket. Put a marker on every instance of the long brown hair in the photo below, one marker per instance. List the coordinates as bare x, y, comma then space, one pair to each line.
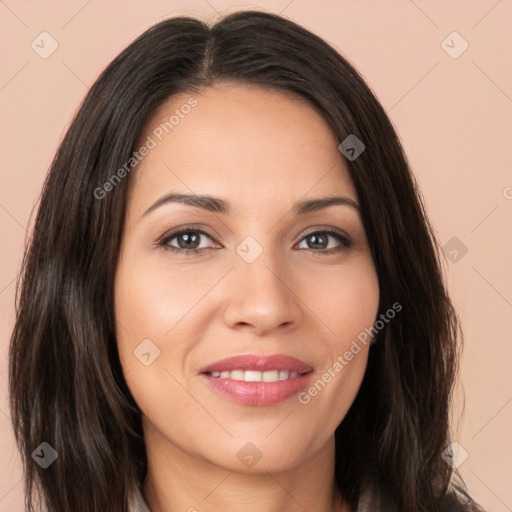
65, 379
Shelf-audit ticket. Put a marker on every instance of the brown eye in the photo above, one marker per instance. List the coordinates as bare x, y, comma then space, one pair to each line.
189, 240
186, 241
318, 241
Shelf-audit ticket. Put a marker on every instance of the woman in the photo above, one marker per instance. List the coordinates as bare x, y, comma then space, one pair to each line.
233, 296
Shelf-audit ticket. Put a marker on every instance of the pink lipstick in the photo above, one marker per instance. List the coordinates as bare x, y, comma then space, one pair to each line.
258, 380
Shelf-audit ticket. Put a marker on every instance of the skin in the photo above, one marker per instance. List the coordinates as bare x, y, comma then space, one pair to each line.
262, 151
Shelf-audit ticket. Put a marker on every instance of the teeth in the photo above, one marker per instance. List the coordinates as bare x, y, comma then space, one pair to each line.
237, 375
270, 376
252, 376
255, 376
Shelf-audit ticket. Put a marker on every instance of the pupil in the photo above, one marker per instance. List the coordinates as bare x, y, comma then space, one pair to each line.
315, 239
188, 237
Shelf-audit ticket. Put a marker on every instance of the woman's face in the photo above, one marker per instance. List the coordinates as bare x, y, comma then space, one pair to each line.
266, 280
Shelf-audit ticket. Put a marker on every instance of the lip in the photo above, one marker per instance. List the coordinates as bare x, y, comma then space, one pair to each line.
258, 393
259, 363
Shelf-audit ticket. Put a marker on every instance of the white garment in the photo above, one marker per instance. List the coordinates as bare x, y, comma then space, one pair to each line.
139, 505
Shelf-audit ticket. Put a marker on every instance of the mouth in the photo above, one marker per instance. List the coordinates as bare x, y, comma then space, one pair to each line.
258, 380
255, 375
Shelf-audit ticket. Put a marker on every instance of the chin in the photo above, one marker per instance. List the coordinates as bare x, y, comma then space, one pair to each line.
257, 455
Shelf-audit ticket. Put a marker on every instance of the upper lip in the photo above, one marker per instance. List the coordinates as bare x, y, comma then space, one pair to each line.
259, 363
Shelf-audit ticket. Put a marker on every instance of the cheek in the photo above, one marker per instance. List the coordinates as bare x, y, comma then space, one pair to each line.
348, 305
150, 305
143, 314
160, 310
151, 301
346, 299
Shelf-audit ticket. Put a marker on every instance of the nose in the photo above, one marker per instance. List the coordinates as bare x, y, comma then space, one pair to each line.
261, 297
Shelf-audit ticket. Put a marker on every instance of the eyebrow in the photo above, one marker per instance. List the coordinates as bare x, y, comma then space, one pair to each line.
218, 205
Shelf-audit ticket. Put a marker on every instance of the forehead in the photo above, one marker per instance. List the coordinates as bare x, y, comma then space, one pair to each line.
246, 143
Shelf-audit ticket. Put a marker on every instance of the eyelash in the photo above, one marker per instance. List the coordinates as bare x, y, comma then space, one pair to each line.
164, 241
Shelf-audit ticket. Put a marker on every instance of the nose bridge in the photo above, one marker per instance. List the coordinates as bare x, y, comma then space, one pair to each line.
261, 293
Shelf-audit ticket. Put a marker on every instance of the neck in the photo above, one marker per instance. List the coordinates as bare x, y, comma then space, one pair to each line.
177, 481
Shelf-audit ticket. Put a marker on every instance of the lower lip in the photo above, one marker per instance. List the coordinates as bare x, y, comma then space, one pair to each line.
258, 393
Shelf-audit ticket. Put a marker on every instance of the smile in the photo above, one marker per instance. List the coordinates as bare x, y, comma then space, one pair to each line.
258, 380
255, 375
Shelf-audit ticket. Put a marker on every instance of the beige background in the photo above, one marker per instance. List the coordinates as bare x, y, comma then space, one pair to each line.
454, 116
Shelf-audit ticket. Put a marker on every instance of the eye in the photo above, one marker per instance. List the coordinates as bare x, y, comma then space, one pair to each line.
318, 241
188, 241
